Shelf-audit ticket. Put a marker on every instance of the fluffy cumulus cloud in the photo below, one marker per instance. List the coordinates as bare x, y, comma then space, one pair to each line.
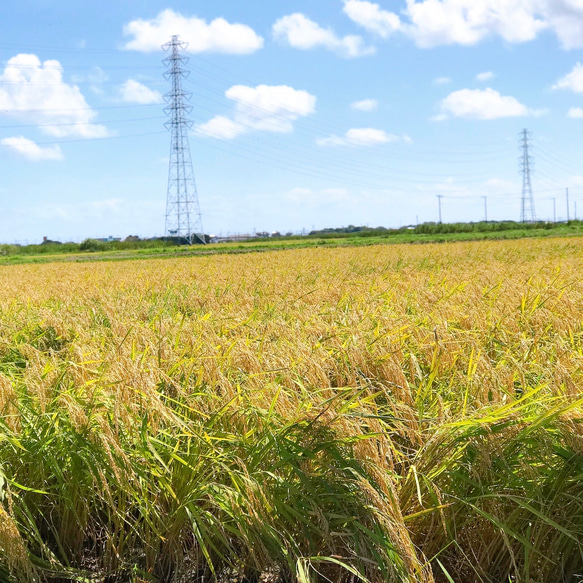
217, 36
36, 92
300, 32
483, 104
365, 105
31, 150
478, 104
372, 18
135, 92
572, 81
222, 128
441, 22
360, 137
467, 22
262, 108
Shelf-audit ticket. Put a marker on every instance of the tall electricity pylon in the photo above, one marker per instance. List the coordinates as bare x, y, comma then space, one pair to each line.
527, 213
183, 217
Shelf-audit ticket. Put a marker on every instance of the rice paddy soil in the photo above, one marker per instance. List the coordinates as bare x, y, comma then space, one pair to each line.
408, 413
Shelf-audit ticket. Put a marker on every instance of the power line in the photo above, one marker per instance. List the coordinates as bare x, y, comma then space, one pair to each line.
558, 161
75, 50
78, 123
94, 139
19, 110
323, 127
374, 171
93, 68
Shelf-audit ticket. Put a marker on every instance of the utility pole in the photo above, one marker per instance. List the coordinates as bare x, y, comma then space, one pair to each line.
183, 217
554, 210
485, 208
439, 197
568, 218
527, 213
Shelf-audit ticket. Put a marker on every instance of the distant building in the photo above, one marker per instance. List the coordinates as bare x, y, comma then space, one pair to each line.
47, 241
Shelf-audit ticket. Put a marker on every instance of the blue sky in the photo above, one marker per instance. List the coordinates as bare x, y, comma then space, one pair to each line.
306, 114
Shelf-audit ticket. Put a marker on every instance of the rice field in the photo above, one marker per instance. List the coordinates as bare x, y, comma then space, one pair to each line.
375, 414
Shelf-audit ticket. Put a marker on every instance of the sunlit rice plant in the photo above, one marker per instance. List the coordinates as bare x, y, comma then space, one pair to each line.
402, 413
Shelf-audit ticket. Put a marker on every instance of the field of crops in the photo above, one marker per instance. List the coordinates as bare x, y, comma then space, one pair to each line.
384, 413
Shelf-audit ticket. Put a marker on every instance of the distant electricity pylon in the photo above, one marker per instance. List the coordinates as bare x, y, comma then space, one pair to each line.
183, 217
527, 213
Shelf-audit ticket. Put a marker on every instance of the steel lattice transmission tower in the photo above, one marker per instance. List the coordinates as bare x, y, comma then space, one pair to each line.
183, 217
526, 161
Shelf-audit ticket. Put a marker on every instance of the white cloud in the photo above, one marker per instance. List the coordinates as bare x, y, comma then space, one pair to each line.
302, 33
442, 81
372, 18
365, 105
482, 104
31, 150
360, 137
218, 36
35, 92
565, 19
486, 76
135, 92
575, 113
262, 108
467, 22
572, 81
221, 128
